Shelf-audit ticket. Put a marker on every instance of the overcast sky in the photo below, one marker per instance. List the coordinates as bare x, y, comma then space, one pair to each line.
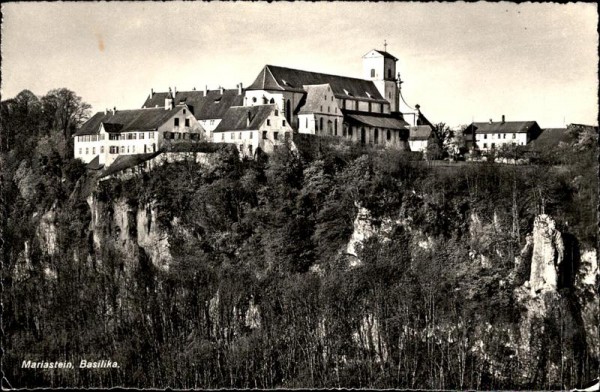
460, 61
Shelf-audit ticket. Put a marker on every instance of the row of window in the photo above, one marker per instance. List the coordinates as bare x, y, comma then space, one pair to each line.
90, 138
130, 136
282, 122
498, 136
493, 145
181, 136
176, 121
117, 149
241, 148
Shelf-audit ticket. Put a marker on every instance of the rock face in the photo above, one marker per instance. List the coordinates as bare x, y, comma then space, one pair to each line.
363, 229
548, 254
130, 228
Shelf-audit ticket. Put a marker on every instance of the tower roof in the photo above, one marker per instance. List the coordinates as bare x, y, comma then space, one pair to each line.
381, 52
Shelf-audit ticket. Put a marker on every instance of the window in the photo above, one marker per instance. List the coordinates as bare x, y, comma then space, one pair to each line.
122, 149
484, 145
240, 136
332, 98
276, 112
485, 136
493, 145
80, 150
355, 105
133, 149
335, 110
127, 149
187, 122
335, 127
275, 135
254, 99
372, 72
268, 121
222, 136
151, 135
389, 135
87, 151
241, 148
306, 123
264, 136
369, 106
328, 109
141, 135
272, 100
176, 122
94, 150
321, 123
376, 134
514, 135
283, 123
350, 132
390, 95
321, 108
389, 73
505, 136
183, 111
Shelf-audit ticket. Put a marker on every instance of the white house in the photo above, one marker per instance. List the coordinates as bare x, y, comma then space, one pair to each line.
493, 135
110, 134
419, 137
253, 128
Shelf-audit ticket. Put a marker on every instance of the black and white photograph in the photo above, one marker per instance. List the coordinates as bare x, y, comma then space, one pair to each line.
300, 195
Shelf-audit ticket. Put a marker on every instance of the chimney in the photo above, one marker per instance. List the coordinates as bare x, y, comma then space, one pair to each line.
114, 110
240, 88
151, 92
221, 89
490, 120
248, 119
194, 89
105, 110
205, 90
503, 119
174, 91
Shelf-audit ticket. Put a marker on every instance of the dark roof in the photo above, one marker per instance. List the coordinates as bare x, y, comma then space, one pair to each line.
95, 163
209, 107
552, 137
127, 120
287, 79
314, 99
127, 161
420, 132
504, 127
236, 118
378, 120
384, 54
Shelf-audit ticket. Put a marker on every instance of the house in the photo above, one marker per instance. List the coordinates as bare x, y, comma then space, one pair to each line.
364, 110
107, 135
253, 128
419, 137
208, 106
492, 135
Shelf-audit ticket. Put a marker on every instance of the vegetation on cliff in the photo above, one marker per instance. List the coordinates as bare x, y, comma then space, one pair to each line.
259, 292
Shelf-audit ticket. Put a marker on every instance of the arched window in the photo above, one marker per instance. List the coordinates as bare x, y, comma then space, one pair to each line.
330, 127
389, 135
272, 100
350, 132
335, 127
376, 135
389, 73
344, 130
254, 99
321, 123
372, 72
265, 100
363, 136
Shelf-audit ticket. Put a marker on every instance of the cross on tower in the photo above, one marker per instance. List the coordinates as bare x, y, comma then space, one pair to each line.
384, 45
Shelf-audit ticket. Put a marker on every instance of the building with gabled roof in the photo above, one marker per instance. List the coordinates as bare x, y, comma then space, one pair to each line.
492, 135
208, 106
107, 135
253, 128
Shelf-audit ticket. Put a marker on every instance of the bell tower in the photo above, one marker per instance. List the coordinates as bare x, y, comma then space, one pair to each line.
380, 67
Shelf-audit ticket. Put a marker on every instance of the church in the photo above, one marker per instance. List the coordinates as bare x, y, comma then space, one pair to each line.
280, 102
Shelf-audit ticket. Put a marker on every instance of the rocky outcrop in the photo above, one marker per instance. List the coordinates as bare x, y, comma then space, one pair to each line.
548, 254
47, 232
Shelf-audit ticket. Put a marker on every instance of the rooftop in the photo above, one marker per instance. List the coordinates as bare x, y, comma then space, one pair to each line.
127, 120
236, 118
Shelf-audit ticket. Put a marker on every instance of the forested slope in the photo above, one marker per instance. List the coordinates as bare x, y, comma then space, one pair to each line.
240, 274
